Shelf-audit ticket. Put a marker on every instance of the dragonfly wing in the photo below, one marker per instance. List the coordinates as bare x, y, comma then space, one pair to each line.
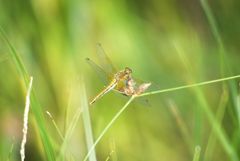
104, 61
139, 101
153, 85
105, 77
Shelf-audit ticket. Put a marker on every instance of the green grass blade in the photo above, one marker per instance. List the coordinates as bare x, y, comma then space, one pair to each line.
36, 108
238, 107
225, 66
216, 126
211, 144
87, 123
55, 125
217, 129
10, 153
212, 23
69, 132
17, 60
198, 115
70, 127
181, 124
108, 127
197, 153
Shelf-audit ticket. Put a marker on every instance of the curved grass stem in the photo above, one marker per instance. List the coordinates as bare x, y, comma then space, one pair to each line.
146, 94
108, 126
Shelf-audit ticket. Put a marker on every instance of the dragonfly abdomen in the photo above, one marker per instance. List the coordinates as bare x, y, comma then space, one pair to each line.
111, 86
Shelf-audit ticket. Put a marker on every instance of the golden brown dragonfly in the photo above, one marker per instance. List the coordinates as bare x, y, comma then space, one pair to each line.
120, 81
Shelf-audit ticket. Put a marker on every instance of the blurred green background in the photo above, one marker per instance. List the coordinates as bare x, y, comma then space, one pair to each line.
168, 42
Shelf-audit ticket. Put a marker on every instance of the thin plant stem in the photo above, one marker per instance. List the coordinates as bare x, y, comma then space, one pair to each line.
10, 153
108, 126
55, 125
217, 128
212, 140
25, 121
181, 124
147, 94
188, 86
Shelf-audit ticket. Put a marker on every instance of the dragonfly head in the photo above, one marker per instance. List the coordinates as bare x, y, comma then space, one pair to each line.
127, 70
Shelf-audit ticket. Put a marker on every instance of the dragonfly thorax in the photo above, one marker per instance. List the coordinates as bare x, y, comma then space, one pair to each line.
121, 81
123, 74
127, 70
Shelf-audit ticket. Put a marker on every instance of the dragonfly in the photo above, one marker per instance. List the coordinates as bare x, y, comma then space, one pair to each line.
120, 81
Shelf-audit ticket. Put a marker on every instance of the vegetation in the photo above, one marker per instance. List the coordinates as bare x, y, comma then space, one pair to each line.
188, 50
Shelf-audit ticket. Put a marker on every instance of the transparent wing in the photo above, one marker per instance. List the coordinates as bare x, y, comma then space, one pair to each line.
102, 74
139, 101
104, 61
152, 87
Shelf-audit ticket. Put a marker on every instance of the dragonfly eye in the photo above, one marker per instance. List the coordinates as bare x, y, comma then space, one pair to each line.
128, 70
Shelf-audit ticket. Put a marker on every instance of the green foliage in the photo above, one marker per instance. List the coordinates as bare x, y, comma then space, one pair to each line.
188, 48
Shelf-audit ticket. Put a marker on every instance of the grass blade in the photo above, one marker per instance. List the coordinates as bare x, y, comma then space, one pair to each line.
211, 144
70, 127
55, 125
10, 153
69, 132
36, 108
87, 123
216, 126
108, 127
197, 153
25, 121
225, 66
181, 124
